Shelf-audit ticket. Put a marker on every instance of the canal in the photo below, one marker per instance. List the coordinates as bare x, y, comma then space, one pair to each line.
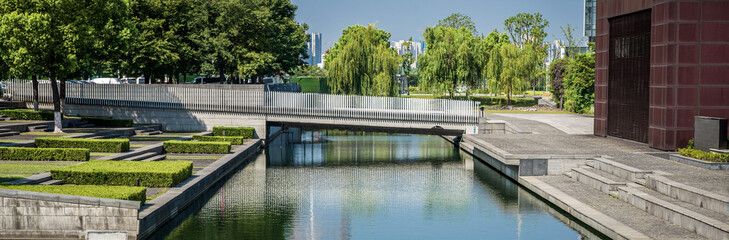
352, 185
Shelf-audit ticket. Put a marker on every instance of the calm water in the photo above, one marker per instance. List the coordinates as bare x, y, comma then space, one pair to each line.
336, 185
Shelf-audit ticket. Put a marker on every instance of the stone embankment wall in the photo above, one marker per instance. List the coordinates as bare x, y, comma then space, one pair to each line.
41, 215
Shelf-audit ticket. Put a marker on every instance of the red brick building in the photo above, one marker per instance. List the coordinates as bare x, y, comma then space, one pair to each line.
659, 63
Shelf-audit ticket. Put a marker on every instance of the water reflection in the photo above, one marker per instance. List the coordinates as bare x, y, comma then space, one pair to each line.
341, 185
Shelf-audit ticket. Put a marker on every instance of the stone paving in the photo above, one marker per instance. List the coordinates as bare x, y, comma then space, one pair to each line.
571, 140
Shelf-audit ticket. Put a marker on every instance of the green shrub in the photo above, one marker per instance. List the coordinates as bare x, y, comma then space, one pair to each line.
706, 156
690, 144
24, 114
246, 132
44, 154
114, 192
173, 146
94, 145
231, 140
106, 122
126, 173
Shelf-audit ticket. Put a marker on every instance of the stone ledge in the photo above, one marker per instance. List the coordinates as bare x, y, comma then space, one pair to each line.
593, 218
699, 163
701, 224
689, 194
106, 202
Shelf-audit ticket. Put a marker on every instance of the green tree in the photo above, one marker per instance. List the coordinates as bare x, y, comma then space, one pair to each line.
152, 48
492, 70
557, 72
572, 41
308, 71
580, 84
527, 31
457, 21
362, 63
450, 61
407, 61
508, 67
45, 37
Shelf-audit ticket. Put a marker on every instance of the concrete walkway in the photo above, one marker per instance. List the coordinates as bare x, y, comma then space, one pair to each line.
623, 189
564, 123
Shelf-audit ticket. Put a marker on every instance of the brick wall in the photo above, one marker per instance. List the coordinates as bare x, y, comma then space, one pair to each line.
689, 65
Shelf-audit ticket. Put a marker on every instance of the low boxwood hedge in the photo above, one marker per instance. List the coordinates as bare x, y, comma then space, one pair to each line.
94, 145
106, 122
126, 173
44, 154
231, 140
174, 146
113, 192
246, 132
24, 114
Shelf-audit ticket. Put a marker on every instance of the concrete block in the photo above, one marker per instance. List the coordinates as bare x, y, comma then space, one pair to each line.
53, 223
710, 132
94, 235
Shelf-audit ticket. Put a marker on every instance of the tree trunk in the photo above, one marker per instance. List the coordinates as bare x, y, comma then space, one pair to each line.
57, 117
184, 78
222, 74
35, 92
62, 95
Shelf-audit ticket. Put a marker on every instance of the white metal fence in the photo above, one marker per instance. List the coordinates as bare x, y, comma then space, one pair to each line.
256, 102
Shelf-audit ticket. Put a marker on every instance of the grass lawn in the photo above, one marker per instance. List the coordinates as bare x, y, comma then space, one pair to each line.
184, 157
46, 133
13, 140
138, 145
17, 170
101, 154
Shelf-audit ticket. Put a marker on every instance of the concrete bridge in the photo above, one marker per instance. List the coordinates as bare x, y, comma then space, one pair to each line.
186, 107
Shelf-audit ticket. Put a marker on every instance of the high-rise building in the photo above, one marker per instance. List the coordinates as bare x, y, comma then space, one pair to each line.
589, 19
416, 47
313, 49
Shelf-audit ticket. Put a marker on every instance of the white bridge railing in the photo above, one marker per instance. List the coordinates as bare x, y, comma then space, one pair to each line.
255, 102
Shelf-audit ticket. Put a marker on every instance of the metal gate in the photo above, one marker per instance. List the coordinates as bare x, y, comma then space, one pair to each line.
629, 76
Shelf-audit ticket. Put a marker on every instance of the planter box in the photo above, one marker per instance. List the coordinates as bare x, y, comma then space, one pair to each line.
699, 163
709, 132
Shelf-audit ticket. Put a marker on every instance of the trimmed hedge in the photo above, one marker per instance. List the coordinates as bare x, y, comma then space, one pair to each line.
44, 154
706, 156
113, 192
23, 114
126, 173
231, 140
94, 145
106, 122
246, 132
174, 146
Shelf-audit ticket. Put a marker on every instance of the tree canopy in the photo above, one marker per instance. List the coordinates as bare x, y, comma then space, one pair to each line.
457, 21
453, 59
362, 63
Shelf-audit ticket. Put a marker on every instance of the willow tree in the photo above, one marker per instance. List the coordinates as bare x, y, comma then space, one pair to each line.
510, 67
451, 60
362, 63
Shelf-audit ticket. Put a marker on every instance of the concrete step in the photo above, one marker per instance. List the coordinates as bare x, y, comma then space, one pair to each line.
695, 196
35, 179
104, 136
703, 222
40, 128
597, 179
3, 130
156, 158
11, 133
87, 125
148, 132
141, 156
52, 182
621, 170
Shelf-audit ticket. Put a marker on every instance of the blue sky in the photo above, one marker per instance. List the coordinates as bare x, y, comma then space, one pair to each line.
405, 19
